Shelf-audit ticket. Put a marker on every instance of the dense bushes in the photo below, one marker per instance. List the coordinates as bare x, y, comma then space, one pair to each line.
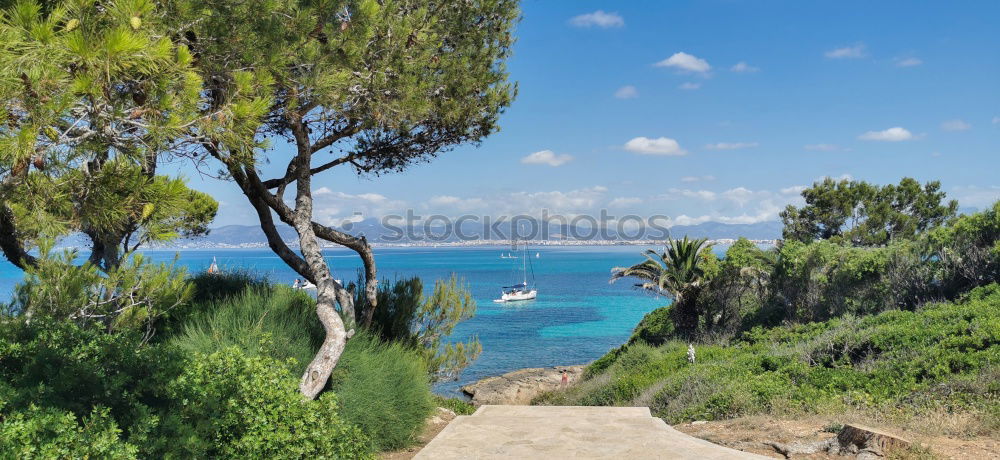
422, 322
384, 390
239, 406
383, 387
219, 379
276, 321
798, 282
60, 365
894, 360
37, 433
78, 391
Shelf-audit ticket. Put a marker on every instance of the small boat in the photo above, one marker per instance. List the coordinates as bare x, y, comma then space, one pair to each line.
517, 292
307, 285
520, 291
214, 268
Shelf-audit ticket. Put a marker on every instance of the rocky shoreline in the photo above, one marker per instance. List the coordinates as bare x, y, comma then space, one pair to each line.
521, 386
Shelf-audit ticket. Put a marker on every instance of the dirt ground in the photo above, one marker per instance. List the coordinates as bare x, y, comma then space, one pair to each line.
434, 426
752, 434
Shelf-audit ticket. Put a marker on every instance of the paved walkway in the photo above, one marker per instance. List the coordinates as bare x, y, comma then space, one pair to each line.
559, 432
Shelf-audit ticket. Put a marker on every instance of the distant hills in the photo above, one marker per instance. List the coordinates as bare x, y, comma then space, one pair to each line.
253, 236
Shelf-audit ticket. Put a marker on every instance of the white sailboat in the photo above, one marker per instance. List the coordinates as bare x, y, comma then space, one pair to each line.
523, 290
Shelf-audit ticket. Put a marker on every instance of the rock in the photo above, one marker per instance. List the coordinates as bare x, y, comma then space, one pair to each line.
868, 442
800, 448
699, 422
443, 415
521, 386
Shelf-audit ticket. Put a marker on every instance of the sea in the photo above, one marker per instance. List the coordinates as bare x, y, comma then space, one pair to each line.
577, 317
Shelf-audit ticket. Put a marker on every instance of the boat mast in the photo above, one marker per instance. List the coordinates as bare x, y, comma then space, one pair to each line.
524, 266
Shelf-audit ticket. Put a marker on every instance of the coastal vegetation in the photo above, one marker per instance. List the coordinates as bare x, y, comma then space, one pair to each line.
909, 326
937, 361
369, 86
109, 355
216, 382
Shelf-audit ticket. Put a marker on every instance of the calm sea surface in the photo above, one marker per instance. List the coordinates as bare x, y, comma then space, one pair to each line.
576, 318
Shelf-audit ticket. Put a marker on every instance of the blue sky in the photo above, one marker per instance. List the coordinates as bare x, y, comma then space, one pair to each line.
711, 110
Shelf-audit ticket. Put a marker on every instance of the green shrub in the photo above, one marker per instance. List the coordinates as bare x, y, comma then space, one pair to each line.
276, 321
422, 322
131, 296
240, 406
457, 405
207, 291
655, 328
60, 365
942, 355
384, 389
37, 433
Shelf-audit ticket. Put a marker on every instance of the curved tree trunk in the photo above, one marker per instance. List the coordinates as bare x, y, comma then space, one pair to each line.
360, 246
327, 294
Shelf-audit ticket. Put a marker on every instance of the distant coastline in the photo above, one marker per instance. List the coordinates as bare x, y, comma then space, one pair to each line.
195, 245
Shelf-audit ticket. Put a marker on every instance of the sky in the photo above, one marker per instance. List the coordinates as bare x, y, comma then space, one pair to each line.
716, 110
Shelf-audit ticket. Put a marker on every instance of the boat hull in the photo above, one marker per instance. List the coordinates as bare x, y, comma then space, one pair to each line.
518, 296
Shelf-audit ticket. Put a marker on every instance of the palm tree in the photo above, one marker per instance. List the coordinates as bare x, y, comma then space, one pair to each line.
678, 273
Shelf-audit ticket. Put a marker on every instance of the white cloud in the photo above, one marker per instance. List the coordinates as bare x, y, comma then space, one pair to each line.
627, 92
686, 63
955, 125
975, 195
333, 208
741, 195
677, 193
455, 203
793, 190
908, 62
894, 134
839, 178
822, 147
697, 178
547, 157
848, 52
743, 67
624, 201
689, 86
731, 145
658, 146
372, 197
599, 19
688, 220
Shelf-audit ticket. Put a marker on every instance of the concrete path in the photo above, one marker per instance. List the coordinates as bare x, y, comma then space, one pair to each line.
559, 432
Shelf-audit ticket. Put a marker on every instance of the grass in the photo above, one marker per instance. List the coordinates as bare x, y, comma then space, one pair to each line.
457, 405
911, 368
275, 321
383, 388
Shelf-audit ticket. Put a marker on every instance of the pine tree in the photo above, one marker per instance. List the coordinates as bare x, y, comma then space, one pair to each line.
376, 86
94, 94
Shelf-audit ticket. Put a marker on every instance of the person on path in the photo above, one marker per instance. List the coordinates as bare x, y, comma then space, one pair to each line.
565, 378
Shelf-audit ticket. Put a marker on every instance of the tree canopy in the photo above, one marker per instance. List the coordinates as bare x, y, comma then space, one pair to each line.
93, 95
864, 214
375, 86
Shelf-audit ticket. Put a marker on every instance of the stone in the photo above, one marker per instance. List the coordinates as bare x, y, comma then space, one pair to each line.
869, 439
521, 386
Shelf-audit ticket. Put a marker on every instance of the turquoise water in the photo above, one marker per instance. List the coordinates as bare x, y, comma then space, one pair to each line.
576, 318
